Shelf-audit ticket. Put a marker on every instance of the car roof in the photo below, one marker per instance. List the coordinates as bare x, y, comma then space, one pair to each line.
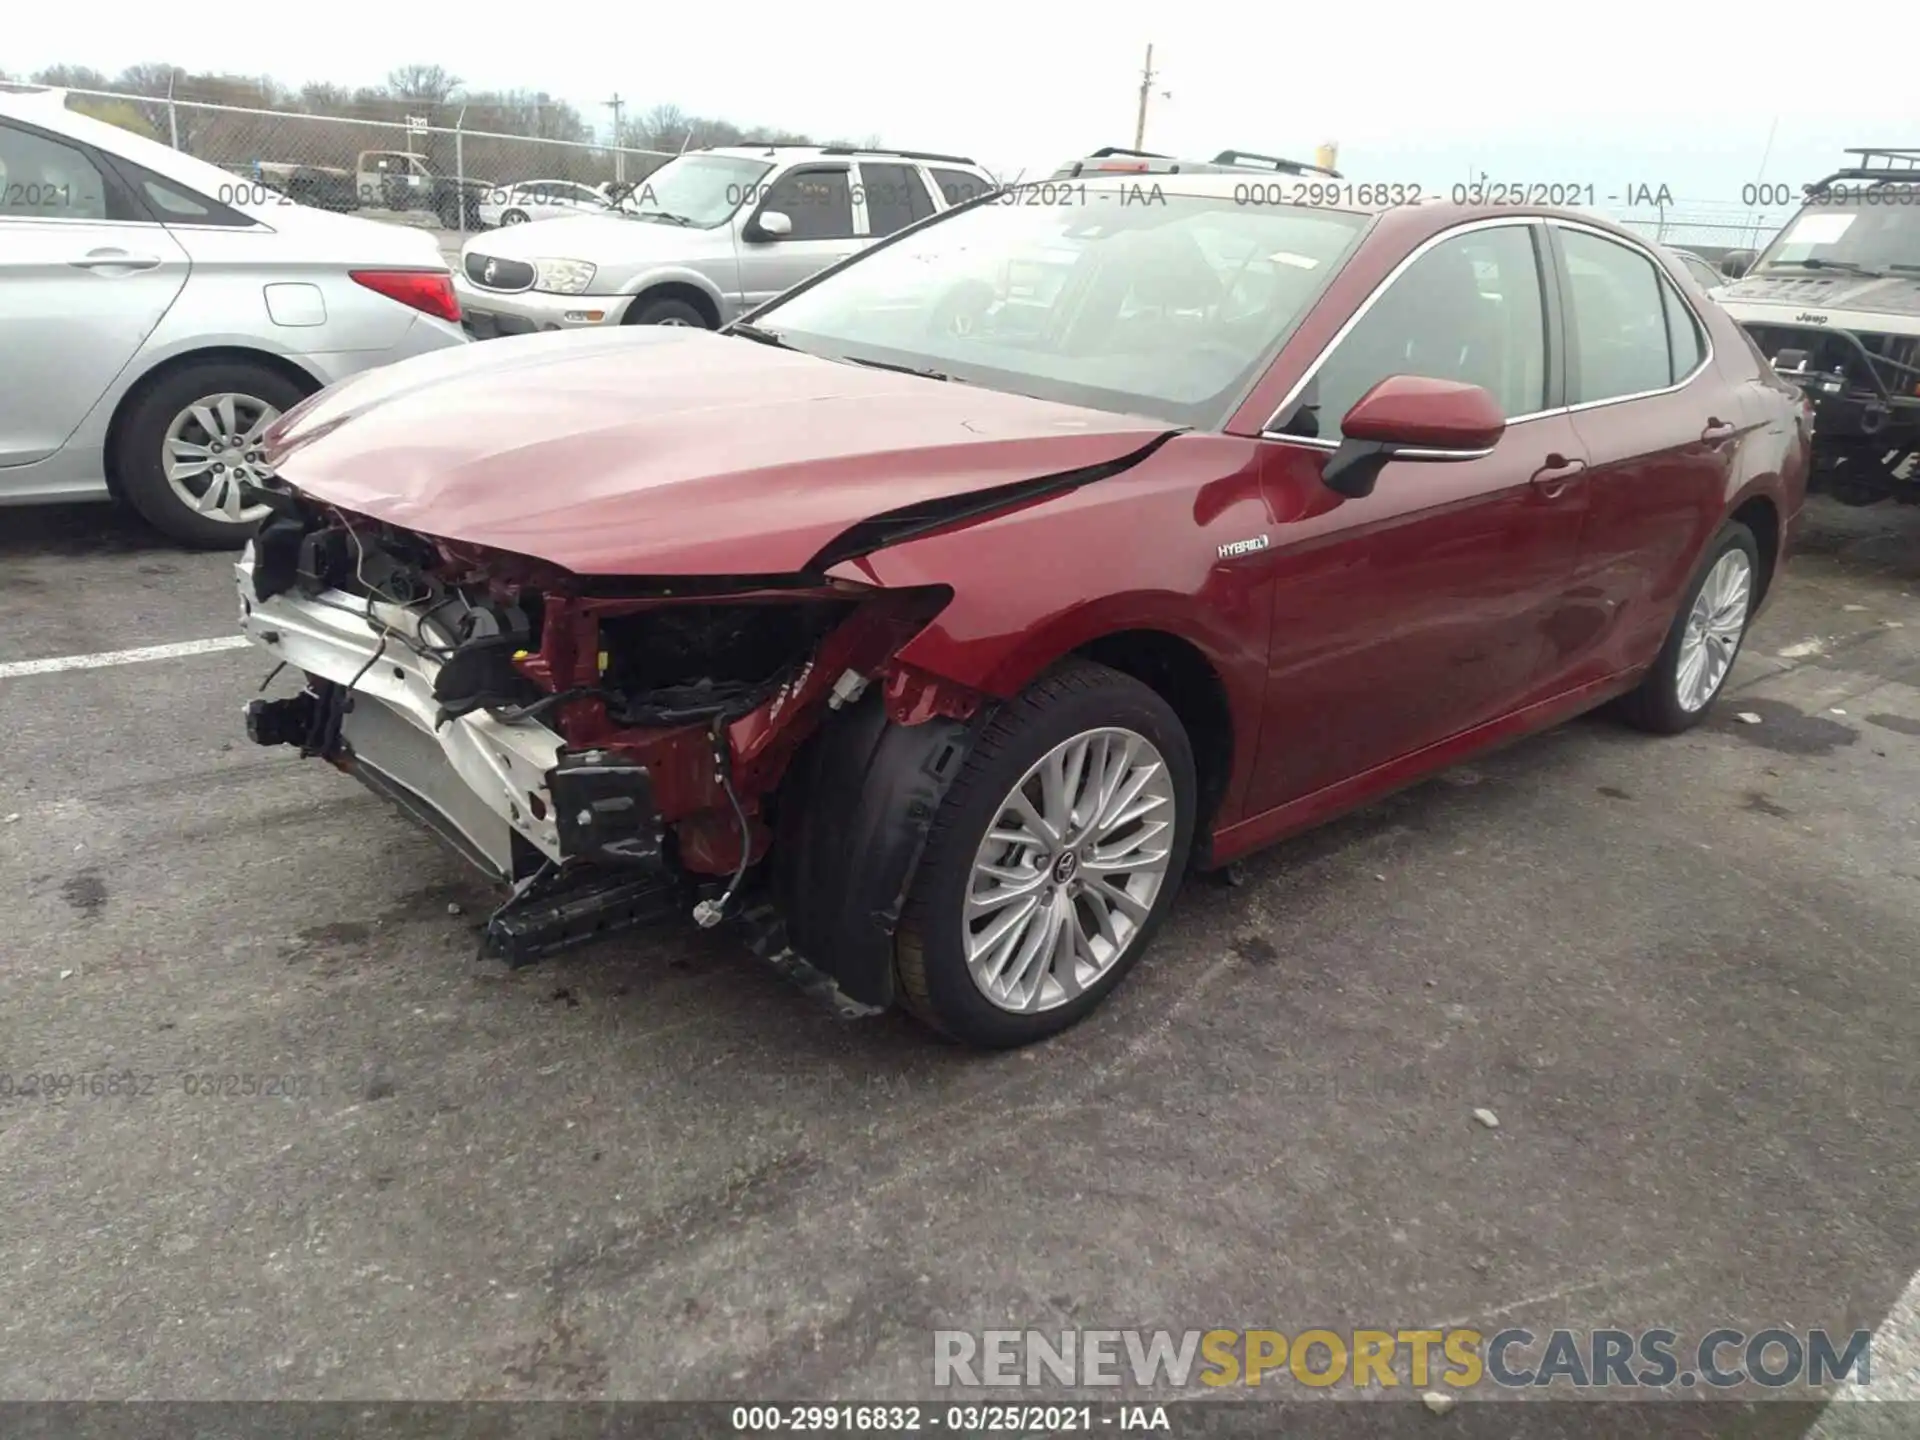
1412, 219
835, 152
47, 108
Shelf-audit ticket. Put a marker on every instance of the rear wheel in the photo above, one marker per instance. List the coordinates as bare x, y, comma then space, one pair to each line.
190, 443
514, 217
1705, 639
1052, 861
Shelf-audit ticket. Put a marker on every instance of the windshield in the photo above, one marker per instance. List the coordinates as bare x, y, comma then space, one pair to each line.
1858, 235
1167, 307
699, 190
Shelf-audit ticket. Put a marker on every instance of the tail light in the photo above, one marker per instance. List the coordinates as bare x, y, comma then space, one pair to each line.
1132, 165
429, 291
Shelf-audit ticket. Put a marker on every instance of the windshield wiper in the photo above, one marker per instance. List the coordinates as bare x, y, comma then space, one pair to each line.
665, 217
755, 332
1846, 265
924, 374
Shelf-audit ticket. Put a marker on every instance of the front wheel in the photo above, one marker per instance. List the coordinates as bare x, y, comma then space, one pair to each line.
1052, 861
1705, 639
514, 217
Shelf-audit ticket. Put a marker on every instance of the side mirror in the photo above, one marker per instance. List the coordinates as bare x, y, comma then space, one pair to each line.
1411, 417
770, 225
1736, 263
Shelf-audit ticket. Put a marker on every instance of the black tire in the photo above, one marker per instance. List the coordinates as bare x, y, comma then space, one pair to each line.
665, 311
514, 217
142, 431
1654, 706
929, 958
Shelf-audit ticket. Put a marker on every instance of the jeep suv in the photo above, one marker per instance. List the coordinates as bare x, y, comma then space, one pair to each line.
1834, 302
705, 238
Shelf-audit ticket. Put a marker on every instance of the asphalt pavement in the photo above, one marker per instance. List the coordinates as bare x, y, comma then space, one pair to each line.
1681, 972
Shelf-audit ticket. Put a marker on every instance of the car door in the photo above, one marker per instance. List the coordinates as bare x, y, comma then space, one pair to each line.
1419, 611
85, 275
1659, 425
895, 196
817, 200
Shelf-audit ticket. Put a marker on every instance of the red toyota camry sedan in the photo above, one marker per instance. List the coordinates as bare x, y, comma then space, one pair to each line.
953, 606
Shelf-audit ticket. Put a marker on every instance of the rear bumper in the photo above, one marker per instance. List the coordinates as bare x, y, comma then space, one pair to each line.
481, 785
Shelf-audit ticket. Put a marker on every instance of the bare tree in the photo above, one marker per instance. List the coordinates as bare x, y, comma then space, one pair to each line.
664, 127
431, 84
71, 77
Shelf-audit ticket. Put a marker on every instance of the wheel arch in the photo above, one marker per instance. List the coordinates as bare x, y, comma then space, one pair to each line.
1180, 673
686, 291
287, 369
1761, 514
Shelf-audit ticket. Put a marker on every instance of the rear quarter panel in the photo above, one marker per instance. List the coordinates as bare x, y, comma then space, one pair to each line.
1139, 551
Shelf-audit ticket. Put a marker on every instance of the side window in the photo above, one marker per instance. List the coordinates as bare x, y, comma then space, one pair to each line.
1469, 310
1618, 325
43, 179
958, 186
818, 202
895, 197
1683, 333
175, 204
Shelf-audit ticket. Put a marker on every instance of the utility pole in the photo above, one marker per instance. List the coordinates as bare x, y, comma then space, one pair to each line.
616, 104
1146, 86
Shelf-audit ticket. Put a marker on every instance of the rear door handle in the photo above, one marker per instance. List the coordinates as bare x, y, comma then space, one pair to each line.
114, 259
1717, 431
1553, 478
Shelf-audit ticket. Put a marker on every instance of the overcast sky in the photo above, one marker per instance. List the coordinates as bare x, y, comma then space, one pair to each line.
1610, 95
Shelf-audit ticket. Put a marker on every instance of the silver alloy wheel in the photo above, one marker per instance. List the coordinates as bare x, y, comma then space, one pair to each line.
211, 447
1714, 627
1069, 870
671, 320
513, 217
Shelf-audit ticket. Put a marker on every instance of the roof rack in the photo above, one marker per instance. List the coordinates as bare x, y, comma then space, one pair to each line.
1246, 159
929, 155
1112, 158
1880, 166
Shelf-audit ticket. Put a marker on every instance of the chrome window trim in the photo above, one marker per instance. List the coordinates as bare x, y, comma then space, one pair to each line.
1267, 431
1386, 283
1659, 271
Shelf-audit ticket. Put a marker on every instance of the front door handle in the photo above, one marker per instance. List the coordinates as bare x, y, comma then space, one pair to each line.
1717, 431
114, 260
1555, 477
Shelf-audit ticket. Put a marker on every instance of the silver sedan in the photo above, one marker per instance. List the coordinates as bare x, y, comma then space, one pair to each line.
160, 313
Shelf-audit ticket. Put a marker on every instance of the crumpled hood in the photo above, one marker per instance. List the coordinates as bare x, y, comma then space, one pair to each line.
666, 451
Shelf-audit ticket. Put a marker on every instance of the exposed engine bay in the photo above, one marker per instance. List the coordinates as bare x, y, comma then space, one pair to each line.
613, 749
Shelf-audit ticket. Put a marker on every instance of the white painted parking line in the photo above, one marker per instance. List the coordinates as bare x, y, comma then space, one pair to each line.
1895, 1377
11, 668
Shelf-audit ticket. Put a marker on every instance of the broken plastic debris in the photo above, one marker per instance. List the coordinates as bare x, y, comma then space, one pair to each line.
13, 817
452, 909
1747, 717
66, 974
1438, 1401
1853, 607
1487, 1118
1838, 711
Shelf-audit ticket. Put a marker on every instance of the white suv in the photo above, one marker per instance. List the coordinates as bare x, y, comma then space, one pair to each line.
705, 238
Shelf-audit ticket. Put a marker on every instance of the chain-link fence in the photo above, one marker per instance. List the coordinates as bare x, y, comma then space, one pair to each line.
1708, 227
449, 176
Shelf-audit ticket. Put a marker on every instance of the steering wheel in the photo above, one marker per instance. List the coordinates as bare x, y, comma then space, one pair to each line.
960, 311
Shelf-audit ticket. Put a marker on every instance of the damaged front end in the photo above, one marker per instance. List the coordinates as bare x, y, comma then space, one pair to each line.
618, 749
